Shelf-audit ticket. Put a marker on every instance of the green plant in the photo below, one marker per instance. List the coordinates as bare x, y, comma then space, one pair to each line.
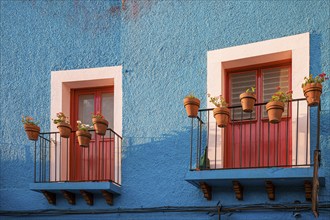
29, 120
83, 127
61, 117
98, 115
218, 101
281, 96
317, 79
252, 89
191, 95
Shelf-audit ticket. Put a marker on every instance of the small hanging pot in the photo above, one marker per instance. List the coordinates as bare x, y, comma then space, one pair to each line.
247, 101
312, 92
274, 111
64, 129
100, 125
32, 131
84, 137
221, 115
192, 106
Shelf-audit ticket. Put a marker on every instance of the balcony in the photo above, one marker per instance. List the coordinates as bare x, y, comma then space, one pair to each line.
61, 166
252, 151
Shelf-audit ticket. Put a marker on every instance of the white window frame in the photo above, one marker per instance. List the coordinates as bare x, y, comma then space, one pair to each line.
61, 84
295, 47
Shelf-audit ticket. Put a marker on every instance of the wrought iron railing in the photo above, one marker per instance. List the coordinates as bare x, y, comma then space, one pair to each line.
58, 159
251, 141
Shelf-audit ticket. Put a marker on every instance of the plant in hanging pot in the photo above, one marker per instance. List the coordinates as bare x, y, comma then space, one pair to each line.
221, 112
312, 88
63, 125
248, 99
275, 107
191, 103
100, 124
83, 134
31, 128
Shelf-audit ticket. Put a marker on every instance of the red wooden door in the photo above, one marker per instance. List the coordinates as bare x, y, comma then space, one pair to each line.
250, 140
96, 162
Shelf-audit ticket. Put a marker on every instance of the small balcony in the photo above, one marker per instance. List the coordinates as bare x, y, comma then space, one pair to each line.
253, 151
61, 166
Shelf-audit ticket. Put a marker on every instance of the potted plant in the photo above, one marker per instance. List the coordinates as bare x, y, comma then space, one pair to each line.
100, 124
31, 128
275, 106
248, 99
221, 112
63, 125
191, 103
83, 134
312, 88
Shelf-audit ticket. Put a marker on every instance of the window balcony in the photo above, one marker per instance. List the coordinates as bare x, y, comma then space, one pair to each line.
252, 151
61, 166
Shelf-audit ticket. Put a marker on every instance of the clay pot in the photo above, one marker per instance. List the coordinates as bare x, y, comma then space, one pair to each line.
84, 137
247, 101
275, 110
100, 126
64, 129
32, 131
192, 106
312, 92
221, 115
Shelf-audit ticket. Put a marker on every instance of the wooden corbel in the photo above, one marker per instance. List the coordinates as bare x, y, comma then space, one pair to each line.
308, 190
88, 197
51, 197
69, 196
207, 190
108, 197
270, 189
238, 189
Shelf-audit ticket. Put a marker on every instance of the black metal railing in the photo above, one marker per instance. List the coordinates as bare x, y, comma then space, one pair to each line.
251, 141
58, 159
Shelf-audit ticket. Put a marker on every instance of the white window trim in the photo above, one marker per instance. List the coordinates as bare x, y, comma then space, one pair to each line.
295, 47
61, 84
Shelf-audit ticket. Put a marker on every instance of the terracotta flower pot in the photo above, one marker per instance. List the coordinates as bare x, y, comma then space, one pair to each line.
64, 129
84, 137
32, 131
100, 126
221, 115
275, 110
192, 106
312, 92
247, 100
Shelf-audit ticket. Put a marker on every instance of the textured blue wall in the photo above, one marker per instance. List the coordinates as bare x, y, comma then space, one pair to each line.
162, 46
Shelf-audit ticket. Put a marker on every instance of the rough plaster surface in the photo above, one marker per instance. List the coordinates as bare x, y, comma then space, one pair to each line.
162, 46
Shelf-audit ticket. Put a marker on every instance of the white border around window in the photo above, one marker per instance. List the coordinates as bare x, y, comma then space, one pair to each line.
295, 47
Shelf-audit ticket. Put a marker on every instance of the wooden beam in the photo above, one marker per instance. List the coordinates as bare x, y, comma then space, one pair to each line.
88, 197
270, 189
69, 196
51, 197
316, 184
238, 189
206, 189
108, 197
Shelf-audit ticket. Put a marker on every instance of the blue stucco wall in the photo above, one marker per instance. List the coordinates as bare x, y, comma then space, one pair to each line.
162, 46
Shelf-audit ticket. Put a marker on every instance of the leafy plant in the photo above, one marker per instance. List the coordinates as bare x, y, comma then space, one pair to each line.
29, 120
98, 115
252, 89
218, 101
61, 117
317, 79
281, 96
83, 127
191, 95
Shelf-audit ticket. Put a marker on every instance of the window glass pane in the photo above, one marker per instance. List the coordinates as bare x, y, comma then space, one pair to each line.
86, 107
107, 108
239, 83
272, 78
